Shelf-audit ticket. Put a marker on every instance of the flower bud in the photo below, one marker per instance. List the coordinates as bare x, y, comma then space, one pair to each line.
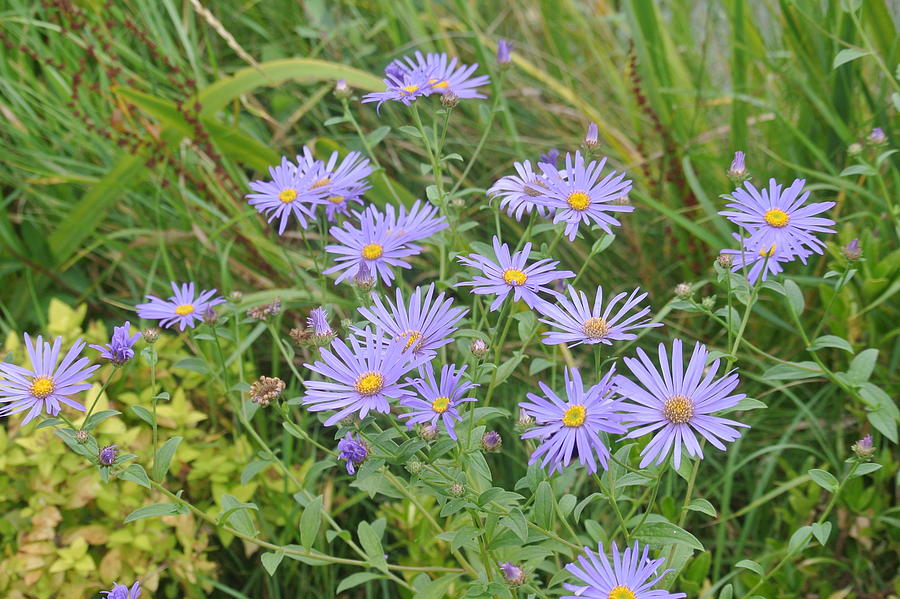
738, 170
852, 251
341, 89
683, 290
512, 574
265, 311
236, 296
456, 490
150, 335
449, 99
363, 279
428, 432
108, 455
504, 48
525, 420
864, 449
708, 302
82, 436
591, 139
551, 157
478, 348
491, 441
725, 260
877, 137
414, 466
210, 316
854, 149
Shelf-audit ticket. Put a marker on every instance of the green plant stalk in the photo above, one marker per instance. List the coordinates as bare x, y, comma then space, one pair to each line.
497, 349
837, 289
611, 498
153, 400
99, 393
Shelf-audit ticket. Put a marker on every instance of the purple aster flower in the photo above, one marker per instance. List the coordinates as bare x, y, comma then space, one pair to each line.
629, 575
511, 274
775, 217
401, 86
581, 323
108, 455
120, 591
318, 322
513, 575
48, 383
504, 49
852, 251
118, 350
438, 399
372, 244
443, 74
185, 308
519, 193
285, 195
592, 137
338, 184
761, 260
676, 403
877, 137
424, 324
573, 424
362, 376
578, 197
355, 451
420, 222
551, 157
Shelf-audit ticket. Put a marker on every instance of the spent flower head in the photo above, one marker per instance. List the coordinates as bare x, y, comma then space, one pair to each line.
354, 450
265, 390
877, 137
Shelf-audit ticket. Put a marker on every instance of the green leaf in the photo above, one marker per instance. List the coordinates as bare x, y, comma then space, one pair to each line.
143, 413
727, 592
271, 560
310, 522
542, 514
747, 404
830, 341
516, 522
800, 538
793, 371
437, 588
507, 368
164, 458
371, 544
663, 533
150, 511
357, 579
848, 54
252, 469
703, 506
237, 514
749, 564
862, 366
821, 531
858, 169
136, 474
99, 417
824, 479
195, 364
864, 469
794, 295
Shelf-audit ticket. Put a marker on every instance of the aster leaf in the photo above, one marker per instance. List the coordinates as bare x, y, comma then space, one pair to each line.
799, 539
462, 537
567, 504
310, 522
848, 54
516, 523
790, 371
252, 469
749, 564
371, 544
48, 422
99, 417
822, 531
271, 560
236, 513
864, 469
195, 364
830, 341
584, 503
661, 533
859, 169
543, 505
435, 589
795, 296
143, 413
136, 474
164, 457
698, 504
357, 579
824, 479
727, 592
862, 366
507, 368
150, 511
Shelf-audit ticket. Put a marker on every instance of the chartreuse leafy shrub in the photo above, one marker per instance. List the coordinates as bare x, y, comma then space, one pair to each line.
471, 410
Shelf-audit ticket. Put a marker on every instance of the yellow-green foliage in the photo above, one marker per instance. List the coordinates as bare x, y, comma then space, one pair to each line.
62, 526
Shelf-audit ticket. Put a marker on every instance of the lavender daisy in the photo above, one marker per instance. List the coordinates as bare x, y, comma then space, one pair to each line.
519, 193
400, 86
362, 376
442, 74
629, 575
372, 245
760, 259
581, 323
48, 383
420, 222
677, 403
578, 197
573, 424
285, 195
118, 350
355, 451
424, 324
512, 274
773, 216
184, 309
120, 591
338, 184
438, 399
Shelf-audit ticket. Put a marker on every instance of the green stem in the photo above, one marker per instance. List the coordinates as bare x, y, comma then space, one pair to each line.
611, 497
97, 397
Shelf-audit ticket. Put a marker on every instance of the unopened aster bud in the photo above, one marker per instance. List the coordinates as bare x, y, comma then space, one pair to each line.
525, 419
478, 348
265, 390
82, 436
737, 172
491, 441
210, 316
363, 279
852, 251
355, 451
428, 432
449, 99
513, 574
414, 466
456, 490
317, 325
877, 137
108, 455
854, 149
591, 139
725, 260
864, 448
341, 89
150, 335
504, 48
236, 296
708, 302
683, 290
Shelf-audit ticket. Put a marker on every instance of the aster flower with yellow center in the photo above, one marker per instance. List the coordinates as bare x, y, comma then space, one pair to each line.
48, 384
511, 273
438, 399
361, 375
440, 74
285, 195
573, 425
400, 86
424, 323
185, 308
339, 182
782, 218
676, 403
577, 321
578, 195
518, 193
630, 574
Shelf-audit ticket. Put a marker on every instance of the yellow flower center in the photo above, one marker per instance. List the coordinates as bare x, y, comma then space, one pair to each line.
621, 592
288, 195
372, 251
336, 199
678, 409
777, 218
764, 252
410, 89
42, 386
578, 200
369, 383
438, 84
595, 328
514, 277
184, 309
411, 337
574, 416
321, 183
440, 405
